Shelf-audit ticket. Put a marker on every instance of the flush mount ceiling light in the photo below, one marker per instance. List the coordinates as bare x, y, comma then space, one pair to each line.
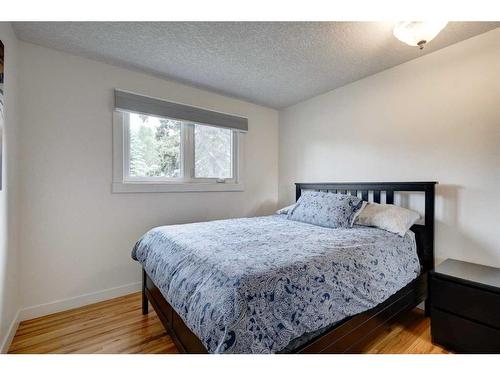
418, 33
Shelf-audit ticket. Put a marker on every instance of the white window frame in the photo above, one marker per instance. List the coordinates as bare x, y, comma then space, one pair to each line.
123, 183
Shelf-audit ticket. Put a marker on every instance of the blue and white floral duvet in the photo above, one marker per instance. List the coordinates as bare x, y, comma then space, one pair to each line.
252, 285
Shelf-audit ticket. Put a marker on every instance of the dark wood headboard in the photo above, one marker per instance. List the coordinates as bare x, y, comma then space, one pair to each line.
424, 234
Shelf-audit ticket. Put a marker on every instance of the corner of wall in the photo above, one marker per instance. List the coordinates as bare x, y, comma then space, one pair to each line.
9, 199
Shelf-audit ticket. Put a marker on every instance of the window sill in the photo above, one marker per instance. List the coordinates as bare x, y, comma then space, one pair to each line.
154, 187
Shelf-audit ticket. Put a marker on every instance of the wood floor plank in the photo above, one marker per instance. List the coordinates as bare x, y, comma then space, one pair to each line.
118, 326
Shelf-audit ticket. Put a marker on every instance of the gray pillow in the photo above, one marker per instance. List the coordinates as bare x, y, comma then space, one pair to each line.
388, 217
326, 209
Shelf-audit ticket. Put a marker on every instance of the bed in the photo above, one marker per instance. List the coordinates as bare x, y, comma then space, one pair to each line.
272, 285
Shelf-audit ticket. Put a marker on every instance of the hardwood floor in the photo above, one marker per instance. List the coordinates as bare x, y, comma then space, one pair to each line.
409, 334
118, 326
113, 326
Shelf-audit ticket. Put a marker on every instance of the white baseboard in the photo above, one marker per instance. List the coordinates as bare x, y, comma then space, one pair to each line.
11, 332
78, 301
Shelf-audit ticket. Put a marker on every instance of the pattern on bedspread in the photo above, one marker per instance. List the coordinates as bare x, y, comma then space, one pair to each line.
252, 285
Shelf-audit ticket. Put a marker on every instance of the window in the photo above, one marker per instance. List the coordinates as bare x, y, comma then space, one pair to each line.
162, 154
172, 152
160, 146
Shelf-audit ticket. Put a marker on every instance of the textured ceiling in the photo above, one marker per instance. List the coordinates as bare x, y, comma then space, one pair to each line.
276, 64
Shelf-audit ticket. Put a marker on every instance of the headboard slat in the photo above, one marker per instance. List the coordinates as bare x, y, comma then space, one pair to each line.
389, 197
364, 195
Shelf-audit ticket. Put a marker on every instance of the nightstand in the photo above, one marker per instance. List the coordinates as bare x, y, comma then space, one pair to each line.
465, 307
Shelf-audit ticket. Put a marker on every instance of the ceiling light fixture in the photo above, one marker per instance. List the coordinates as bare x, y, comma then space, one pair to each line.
418, 33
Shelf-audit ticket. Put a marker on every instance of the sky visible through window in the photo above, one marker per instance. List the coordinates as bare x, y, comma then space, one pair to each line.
213, 152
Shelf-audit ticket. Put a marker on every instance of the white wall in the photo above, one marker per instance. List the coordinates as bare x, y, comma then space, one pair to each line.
77, 235
8, 196
433, 118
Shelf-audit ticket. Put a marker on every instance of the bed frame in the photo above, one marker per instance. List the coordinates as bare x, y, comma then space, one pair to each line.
350, 334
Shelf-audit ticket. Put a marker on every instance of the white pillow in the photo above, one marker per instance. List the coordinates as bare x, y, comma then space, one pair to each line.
388, 217
285, 210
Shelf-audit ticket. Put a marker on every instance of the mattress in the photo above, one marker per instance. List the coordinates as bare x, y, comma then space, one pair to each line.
254, 285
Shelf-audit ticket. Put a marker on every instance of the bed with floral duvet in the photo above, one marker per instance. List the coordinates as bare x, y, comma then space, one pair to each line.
254, 285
